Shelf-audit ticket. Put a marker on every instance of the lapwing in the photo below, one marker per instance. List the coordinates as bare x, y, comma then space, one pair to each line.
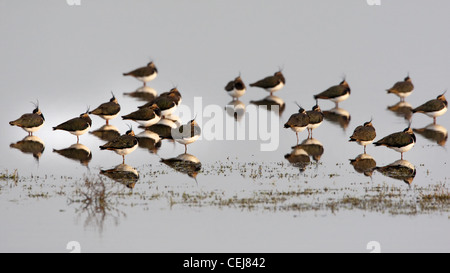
184, 163
123, 145
77, 152
236, 88
315, 119
364, 164
108, 110
166, 102
30, 145
187, 133
30, 122
144, 74
76, 126
364, 134
124, 174
400, 170
434, 132
271, 83
433, 108
400, 142
174, 94
298, 122
402, 89
337, 93
146, 116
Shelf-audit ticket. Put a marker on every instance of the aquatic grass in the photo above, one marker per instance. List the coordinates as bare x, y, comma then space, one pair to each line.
95, 197
7, 176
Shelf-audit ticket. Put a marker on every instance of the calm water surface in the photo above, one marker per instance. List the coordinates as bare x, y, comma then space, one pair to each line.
241, 199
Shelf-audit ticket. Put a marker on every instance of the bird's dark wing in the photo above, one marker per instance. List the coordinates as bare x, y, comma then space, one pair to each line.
333, 92
430, 106
298, 120
363, 133
230, 86
141, 114
28, 121
397, 140
267, 82
108, 108
141, 72
402, 87
74, 124
122, 142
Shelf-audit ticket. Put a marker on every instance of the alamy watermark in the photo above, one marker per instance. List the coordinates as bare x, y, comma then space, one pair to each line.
374, 246
73, 2
374, 2
257, 123
74, 247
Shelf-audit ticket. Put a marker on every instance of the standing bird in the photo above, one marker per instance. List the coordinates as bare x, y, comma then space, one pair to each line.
167, 102
186, 134
298, 122
271, 83
402, 89
146, 116
174, 94
30, 122
433, 108
315, 119
76, 126
337, 93
144, 74
364, 135
236, 88
400, 142
108, 110
122, 145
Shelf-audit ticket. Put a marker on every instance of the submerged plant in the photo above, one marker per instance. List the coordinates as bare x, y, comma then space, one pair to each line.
96, 200
6, 176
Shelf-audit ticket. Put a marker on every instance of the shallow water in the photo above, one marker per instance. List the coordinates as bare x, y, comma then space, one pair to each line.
242, 199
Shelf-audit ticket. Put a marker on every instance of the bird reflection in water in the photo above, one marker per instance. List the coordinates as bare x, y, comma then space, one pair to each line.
149, 140
143, 93
338, 116
402, 109
312, 147
273, 103
364, 164
30, 145
106, 132
298, 158
124, 174
400, 170
185, 163
164, 128
235, 109
435, 133
77, 152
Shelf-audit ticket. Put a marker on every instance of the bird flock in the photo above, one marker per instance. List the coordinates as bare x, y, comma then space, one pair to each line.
157, 109
364, 134
160, 109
